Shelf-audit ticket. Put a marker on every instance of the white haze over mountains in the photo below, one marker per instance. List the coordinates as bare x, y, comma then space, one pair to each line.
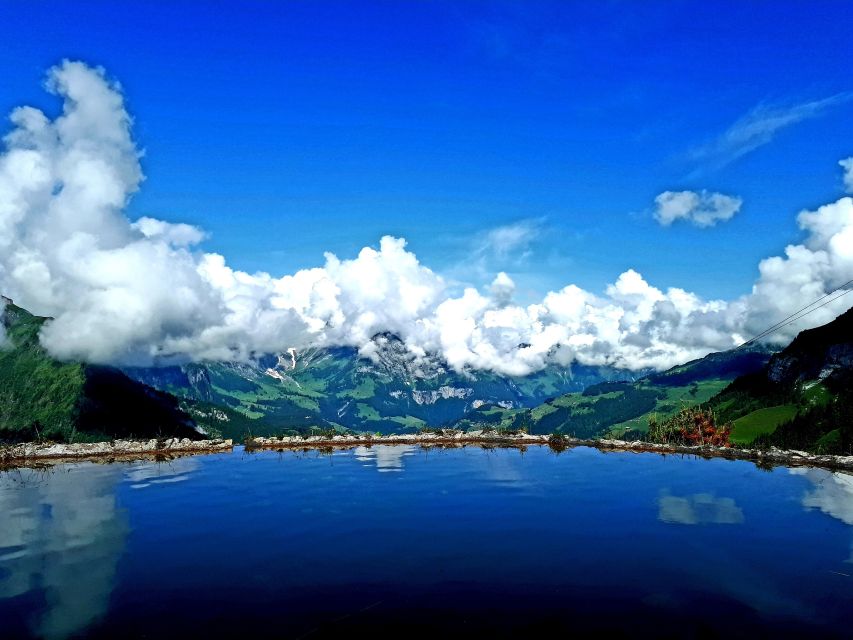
145, 292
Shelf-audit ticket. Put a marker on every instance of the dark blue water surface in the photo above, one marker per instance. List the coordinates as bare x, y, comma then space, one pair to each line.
402, 541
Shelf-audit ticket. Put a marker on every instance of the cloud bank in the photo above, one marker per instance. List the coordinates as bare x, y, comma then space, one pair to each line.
703, 209
142, 292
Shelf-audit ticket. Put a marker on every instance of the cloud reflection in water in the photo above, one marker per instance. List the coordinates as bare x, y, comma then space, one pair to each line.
698, 508
64, 537
832, 494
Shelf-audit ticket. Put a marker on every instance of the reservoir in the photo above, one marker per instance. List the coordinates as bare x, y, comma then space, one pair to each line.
407, 541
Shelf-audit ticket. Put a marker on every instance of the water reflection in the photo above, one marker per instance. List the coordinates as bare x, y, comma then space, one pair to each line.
63, 533
698, 508
385, 457
62, 536
832, 494
153, 473
68, 559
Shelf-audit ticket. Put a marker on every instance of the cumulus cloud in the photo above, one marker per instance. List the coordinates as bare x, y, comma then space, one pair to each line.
847, 165
703, 209
806, 271
758, 128
144, 291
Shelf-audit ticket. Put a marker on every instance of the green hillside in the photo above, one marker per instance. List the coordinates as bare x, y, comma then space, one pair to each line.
623, 409
668, 404
42, 398
802, 398
614, 409
761, 422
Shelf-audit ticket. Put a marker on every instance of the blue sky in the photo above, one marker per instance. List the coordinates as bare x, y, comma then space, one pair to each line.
290, 129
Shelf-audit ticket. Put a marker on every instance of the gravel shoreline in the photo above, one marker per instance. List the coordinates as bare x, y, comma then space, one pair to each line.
18, 454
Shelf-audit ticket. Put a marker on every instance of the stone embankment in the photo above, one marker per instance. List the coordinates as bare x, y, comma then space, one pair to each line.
450, 438
22, 454
37, 452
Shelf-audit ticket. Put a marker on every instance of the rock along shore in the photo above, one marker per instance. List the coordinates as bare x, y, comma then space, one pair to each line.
22, 454
450, 438
37, 452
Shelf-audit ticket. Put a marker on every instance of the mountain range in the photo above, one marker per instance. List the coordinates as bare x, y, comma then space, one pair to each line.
390, 392
795, 397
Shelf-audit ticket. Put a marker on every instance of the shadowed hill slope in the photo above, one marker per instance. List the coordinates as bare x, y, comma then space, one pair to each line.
41, 397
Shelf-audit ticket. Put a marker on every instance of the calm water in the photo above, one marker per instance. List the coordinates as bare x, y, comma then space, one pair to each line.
399, 541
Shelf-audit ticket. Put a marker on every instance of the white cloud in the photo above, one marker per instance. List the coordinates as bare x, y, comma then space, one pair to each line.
703, 208
502, 288
847, 165
511, 240
506, 247
758, 128
806, 272
144, 291
179, 235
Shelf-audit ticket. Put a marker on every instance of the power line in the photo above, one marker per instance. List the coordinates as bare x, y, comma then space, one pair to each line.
784, 321
801, 313
793, 318
840, 295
